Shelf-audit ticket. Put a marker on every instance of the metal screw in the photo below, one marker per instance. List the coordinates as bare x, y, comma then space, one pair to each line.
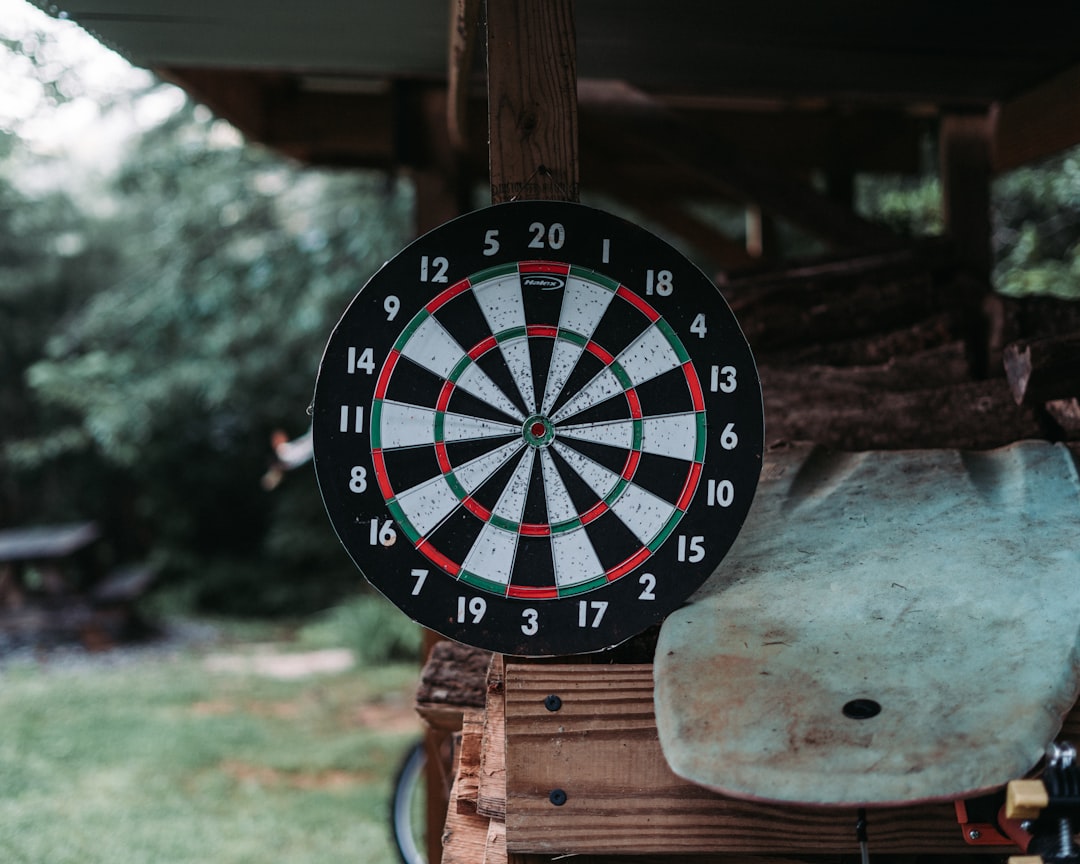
1026, 825
973, 834
553, 703
557, 797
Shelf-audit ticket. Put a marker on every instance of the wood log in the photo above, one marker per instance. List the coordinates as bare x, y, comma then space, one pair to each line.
976, 415
452, 680
784, 315
1066, 413
1043, 369
940, 366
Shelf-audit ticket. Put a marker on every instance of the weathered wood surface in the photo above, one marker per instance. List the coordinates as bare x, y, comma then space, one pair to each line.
451, 681
601, 749
532, 100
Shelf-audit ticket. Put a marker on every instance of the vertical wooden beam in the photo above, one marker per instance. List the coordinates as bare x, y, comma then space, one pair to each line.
965, 153
532, 109
532, 100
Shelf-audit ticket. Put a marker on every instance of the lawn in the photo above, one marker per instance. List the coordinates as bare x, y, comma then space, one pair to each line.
199, 755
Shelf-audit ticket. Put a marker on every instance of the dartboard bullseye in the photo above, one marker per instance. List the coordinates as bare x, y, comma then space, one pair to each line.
538, 429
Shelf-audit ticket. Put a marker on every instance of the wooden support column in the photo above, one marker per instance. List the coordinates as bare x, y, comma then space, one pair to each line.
532, 100
965, 142
533, 139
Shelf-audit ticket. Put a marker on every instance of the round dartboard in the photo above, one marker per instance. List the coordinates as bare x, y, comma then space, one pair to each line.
538, 429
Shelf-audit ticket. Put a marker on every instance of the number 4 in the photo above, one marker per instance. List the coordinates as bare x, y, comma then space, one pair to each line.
698, 325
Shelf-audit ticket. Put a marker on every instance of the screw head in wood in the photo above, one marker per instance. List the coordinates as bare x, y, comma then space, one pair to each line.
557, 797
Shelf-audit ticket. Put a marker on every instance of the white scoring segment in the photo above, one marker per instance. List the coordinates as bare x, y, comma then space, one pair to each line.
402, 425
564, 357
559, 506
476, 381
500, 301
432, 347
519, 361
603, 386
511, 503
474, 472
584, 304
649, 355
574, 559
595, 475
461, 427
642, 512
492, 554
428, 504
673, 435
615, 433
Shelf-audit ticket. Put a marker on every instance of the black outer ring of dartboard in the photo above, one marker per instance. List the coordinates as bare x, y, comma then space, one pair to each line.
631, 252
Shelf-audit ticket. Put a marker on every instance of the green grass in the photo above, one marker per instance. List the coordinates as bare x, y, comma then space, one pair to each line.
164, 761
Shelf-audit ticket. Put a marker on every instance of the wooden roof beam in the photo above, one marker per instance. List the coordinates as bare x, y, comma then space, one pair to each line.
1039, 123
654, 135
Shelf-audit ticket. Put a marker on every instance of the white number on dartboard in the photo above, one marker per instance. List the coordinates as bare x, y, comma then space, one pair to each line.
696, 548
491, 242
352, 419
365, 361
648, 585
434, 269
728, 439
597, 607
697, 326
358, 479
382, 534
659, 282
391, 305
722, 493
532, 622
473, 608
421, 577
556, 236
723, 379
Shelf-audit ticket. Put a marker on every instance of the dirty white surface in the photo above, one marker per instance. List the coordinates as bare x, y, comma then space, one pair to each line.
942, 585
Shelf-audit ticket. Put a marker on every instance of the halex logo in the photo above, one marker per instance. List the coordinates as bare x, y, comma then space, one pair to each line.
543, 281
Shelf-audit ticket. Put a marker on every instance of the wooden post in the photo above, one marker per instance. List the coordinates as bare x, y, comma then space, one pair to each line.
964, 155
532, 107
532, 100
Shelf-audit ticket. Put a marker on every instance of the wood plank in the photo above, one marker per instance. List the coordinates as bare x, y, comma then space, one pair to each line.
532, 100
467, 779
601, 749
464, 838
491, 777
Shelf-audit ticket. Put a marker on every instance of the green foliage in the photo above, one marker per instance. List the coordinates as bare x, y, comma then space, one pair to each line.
157, 325
1037, 228
375, 630
909, 205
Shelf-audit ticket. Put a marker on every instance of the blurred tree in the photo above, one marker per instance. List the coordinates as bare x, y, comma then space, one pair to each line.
231, 267
158, 322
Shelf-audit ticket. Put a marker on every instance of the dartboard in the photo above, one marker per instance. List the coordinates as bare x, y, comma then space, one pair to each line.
537, 429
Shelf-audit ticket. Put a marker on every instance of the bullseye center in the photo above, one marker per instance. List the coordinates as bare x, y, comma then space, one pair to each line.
538, 431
